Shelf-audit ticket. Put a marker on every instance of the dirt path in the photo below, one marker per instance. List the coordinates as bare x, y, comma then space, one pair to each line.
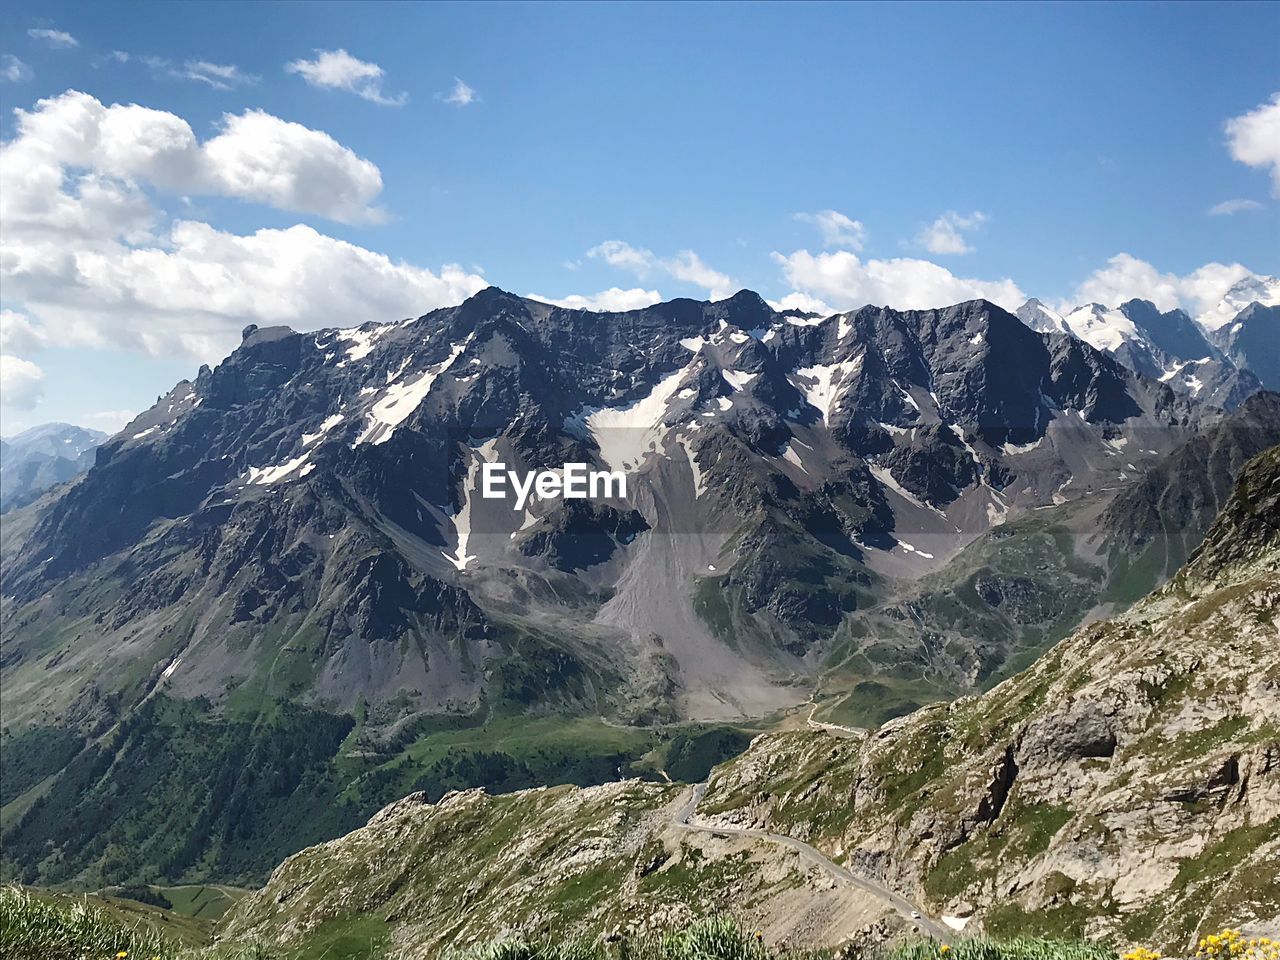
808, 854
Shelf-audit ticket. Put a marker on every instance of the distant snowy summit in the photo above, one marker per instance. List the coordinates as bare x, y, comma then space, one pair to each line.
1221, 357
33, 461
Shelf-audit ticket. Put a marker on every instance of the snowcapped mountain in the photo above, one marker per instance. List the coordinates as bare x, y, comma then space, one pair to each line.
1167, 346
1252, 341
1253, 289
1042, 319
316, 495
42, 457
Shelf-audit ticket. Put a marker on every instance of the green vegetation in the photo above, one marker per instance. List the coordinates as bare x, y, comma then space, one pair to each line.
179, 793
690, 757
34, 754
992, 611
723, 939
199, 901
1020, 948
712, 939
40, 926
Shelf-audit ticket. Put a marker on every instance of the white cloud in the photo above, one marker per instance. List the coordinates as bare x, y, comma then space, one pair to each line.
18, 334
93, 263
13, 70
460, 95
837, 229
255, 157
1227, 207
54, 38
841, 279
339, 70
21, 383
220, 76
191, 293
1126, 277
620, 254
946, 234
686, 266
261, 157
613, 299
804, 303
1254, 139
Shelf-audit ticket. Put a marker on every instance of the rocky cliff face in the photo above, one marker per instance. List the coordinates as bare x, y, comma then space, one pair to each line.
1128, 783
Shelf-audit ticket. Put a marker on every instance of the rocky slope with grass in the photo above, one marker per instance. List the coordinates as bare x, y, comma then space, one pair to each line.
554, 863
1126, 784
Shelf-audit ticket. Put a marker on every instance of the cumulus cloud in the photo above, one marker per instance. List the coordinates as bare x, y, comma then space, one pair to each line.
339, 70
686, 266
21, 382
837, 229
13, 70
220, 76
460, 95
93, 263
611, 300
804, 303
946, 234
1126, 277
1227, 207
256, 157
54, 38
846, 282
1254, 139
18, 334
193, 292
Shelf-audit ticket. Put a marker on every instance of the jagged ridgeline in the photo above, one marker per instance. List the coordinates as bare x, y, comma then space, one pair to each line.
277, 602
1126, 786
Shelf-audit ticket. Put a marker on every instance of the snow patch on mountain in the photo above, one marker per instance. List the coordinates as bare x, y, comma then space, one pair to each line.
626, 435
823, 389
267, 475
737, 379
362, 341
789, 455
1101, 327
329, 423
482, 454
399, 400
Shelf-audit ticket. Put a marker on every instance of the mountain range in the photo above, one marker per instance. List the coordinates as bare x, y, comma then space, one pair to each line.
42, 457
277, 601
1220, 358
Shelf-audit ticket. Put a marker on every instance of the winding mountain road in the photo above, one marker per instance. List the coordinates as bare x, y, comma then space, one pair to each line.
912, 913
835, 729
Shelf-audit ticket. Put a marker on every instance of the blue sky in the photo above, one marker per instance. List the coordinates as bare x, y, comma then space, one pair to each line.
1019, 148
